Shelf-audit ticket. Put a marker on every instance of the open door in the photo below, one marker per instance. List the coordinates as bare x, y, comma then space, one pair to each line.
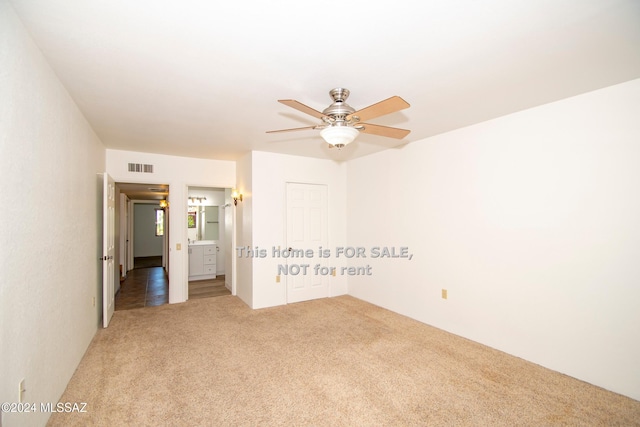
108, 249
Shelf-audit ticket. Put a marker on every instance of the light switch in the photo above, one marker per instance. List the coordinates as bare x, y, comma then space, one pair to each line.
178, 247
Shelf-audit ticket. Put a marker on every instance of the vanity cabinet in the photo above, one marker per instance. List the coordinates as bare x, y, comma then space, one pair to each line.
202, 262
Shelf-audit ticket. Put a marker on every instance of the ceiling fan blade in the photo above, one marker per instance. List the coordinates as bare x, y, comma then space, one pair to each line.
301, 107
388, 106
384, 131
291, 130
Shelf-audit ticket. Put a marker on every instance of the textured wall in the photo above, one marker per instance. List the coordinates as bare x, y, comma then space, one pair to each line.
530, 221
145, 241
50, 222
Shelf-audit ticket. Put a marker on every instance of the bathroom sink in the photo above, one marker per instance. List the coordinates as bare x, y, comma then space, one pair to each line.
203, 242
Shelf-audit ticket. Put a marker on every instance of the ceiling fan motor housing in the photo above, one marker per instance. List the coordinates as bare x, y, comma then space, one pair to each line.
339, 94
339, 110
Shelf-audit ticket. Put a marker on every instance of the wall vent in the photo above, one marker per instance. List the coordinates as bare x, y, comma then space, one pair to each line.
139, 167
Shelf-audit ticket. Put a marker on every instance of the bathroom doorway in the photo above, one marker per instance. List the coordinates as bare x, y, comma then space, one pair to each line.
209, 234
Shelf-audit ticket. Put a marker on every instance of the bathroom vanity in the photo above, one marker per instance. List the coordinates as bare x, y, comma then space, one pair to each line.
202, 260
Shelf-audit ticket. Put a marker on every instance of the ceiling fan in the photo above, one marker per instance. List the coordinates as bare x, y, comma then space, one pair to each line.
341, 123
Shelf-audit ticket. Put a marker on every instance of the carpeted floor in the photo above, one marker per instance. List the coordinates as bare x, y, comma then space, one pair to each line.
328, 362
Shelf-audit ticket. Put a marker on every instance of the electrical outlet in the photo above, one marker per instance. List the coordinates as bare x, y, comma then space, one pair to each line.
277, 279
178, 247
444, 294
21, 391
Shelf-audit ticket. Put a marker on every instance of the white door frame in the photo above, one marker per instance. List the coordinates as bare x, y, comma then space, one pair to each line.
130, 258
123, 234
228, 204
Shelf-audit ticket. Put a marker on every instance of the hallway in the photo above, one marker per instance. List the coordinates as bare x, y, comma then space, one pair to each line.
143, 287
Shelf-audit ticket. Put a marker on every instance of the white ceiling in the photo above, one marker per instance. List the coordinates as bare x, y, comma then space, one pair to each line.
201, 78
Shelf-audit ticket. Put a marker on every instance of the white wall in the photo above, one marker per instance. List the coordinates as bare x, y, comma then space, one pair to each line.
145, 241
244, 229
229, 234
530, 221
50, 222
270, 173
179, 173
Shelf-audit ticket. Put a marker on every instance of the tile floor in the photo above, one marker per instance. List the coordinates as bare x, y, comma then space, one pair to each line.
148, 287
143, 287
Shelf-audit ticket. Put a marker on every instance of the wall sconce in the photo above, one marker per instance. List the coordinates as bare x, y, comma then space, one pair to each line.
164, 204
236, 195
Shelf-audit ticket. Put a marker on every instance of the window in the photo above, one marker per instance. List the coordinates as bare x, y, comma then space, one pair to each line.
159, 222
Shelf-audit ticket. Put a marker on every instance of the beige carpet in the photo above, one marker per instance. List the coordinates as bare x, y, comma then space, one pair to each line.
338, 361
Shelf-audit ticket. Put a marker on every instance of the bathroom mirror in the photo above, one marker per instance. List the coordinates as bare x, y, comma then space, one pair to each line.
203, 223
206, 213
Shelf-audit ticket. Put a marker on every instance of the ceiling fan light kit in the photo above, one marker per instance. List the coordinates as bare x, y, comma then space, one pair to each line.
341, 123
339, 136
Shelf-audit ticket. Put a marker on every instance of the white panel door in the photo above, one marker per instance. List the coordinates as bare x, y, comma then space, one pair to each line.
108, 249
306, 229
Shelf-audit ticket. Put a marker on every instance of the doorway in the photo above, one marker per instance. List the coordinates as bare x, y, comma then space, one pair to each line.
143, 245
210, 238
